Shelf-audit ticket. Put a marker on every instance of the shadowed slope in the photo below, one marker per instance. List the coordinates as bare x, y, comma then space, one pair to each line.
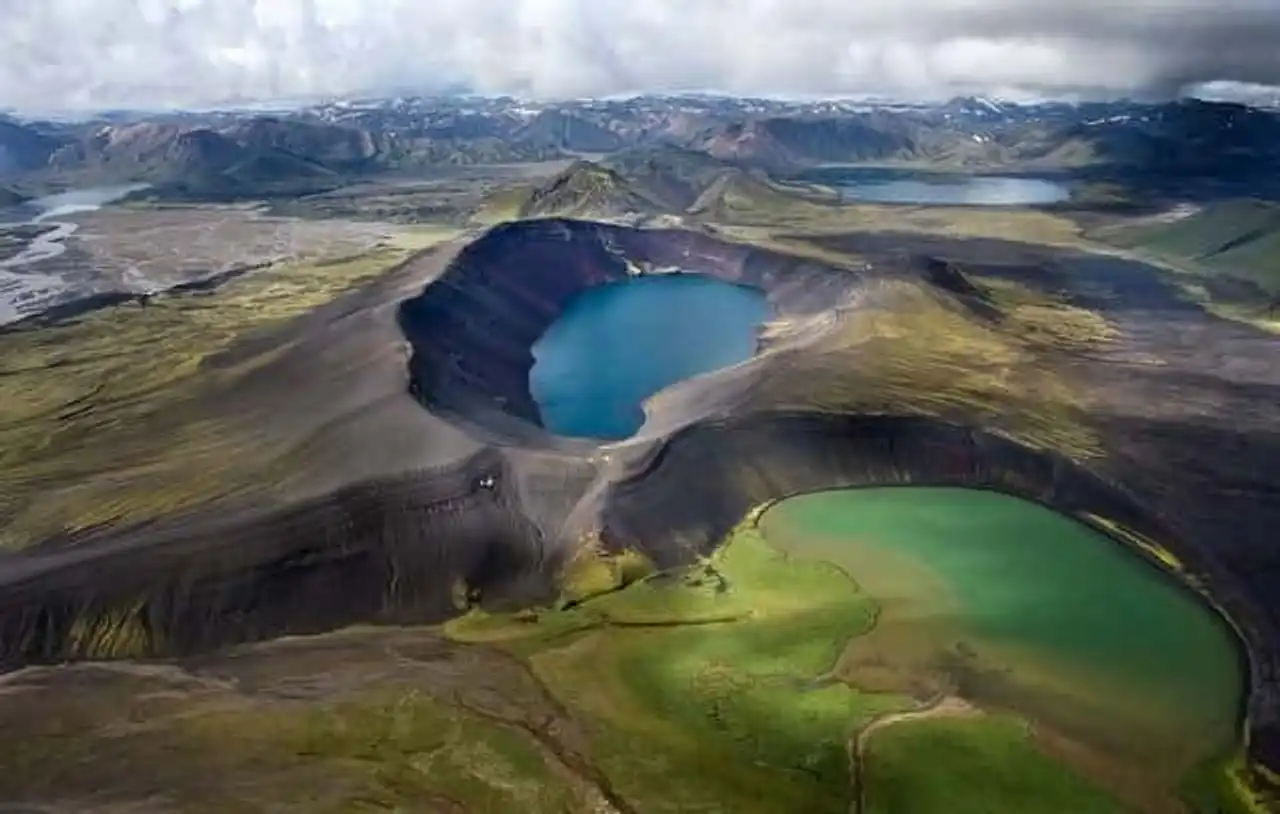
414, 548
756, 459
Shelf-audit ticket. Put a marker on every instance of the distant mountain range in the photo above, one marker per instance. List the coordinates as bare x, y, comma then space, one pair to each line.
230, 154
10, 197
23, 147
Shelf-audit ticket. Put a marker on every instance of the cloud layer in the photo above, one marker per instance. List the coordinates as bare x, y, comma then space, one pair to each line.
97, 53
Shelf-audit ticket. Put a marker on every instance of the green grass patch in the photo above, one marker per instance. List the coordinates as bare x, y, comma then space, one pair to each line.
704, 691
972, 765
1239, 238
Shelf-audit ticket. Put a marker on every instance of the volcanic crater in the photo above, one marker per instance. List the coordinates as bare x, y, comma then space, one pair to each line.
892, 366
473, 329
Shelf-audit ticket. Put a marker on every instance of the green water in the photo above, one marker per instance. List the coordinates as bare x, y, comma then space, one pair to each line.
1020, 579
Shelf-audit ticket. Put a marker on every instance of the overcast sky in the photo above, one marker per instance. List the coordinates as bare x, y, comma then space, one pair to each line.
152, 53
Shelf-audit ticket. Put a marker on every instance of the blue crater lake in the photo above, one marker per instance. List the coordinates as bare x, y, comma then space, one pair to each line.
617, 344
874, 185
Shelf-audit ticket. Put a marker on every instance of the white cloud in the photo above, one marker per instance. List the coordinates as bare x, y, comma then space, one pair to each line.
95, 53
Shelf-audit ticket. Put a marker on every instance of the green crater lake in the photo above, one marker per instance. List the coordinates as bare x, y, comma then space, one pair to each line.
1044, 615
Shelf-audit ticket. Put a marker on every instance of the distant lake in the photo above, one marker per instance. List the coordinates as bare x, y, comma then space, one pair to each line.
874, 185
618, 344
88, 199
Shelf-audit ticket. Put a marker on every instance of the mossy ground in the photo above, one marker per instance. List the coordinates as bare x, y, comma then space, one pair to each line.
107, 418
1230, 786
1256, 312
1043, 320
1235, 238
978, 765
197, 746
908, 350
706, 671
1226, 254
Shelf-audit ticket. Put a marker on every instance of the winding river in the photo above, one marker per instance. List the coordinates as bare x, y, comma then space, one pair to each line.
48, 209
25, 291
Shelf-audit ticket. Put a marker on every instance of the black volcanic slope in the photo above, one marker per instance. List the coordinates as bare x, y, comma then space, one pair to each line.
895, 367
392, 550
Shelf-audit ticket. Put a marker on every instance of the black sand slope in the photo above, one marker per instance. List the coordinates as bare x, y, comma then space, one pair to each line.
1168, 429
415, 548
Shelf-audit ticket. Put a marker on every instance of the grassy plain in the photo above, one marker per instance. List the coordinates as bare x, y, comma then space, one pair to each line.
778, 214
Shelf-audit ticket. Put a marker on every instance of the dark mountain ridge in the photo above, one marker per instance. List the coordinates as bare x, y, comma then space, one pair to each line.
1187, 138
10, 197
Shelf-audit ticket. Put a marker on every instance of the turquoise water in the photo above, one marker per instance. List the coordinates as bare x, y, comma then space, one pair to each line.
907, 187
617, 344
